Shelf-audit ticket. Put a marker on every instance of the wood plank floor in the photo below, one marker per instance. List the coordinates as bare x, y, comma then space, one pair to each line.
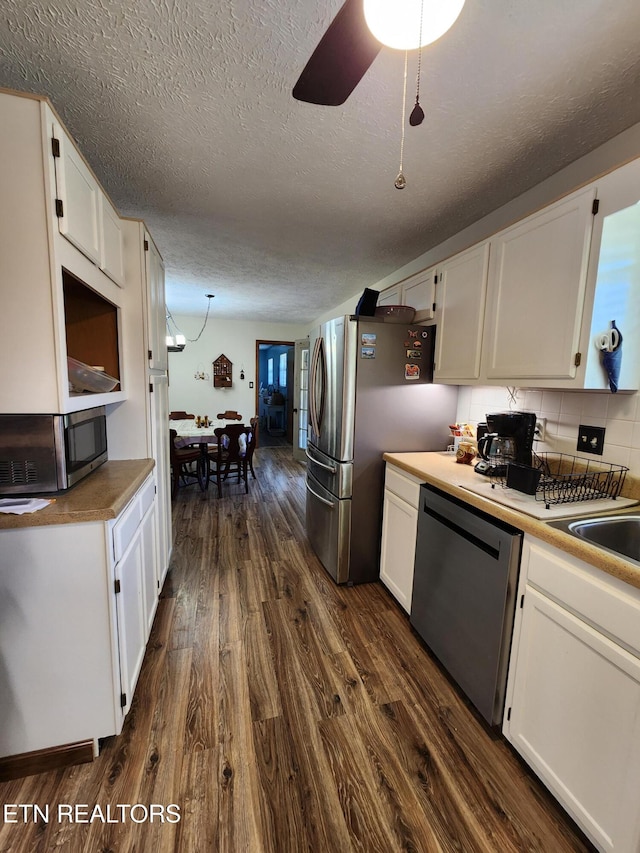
282, 713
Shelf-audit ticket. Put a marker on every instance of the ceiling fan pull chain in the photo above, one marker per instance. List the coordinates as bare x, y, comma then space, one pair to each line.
417, 113
401, 182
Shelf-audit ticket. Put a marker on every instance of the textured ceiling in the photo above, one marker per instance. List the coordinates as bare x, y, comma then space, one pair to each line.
283, 209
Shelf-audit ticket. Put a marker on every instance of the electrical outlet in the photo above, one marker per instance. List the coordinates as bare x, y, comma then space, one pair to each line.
540, 429
591, 439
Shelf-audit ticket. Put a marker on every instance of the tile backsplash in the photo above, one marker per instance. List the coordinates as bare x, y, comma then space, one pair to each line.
618, 413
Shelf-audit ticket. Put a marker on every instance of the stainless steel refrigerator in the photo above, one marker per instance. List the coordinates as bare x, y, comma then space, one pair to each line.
370, 392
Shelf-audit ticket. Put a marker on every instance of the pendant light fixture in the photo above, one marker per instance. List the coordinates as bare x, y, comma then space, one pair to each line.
396, 23
177, 342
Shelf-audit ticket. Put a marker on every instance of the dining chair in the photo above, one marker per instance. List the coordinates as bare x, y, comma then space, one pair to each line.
251, 444
229, 415
180, 416
230, 455
186, 464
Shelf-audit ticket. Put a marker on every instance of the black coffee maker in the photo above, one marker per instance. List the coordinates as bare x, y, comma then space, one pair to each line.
509, 439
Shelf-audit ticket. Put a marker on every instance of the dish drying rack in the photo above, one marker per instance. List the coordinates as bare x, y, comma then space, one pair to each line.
559, 478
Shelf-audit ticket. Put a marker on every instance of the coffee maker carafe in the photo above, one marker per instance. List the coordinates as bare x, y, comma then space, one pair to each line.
510, 439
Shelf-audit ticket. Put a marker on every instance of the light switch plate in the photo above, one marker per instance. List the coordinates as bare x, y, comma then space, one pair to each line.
591, 439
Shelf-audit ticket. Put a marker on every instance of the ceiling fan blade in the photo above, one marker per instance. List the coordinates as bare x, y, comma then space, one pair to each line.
340, 61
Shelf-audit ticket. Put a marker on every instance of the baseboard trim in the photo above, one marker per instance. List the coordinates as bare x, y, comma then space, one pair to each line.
41, 760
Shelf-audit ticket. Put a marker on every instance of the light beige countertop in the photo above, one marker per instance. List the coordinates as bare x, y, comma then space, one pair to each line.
99, 497
442, 470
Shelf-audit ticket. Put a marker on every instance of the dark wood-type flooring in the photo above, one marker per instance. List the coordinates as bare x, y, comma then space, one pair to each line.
282, 713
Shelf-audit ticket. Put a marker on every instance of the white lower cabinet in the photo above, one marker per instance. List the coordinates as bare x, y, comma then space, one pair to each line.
79, 603
573, 696
399, 530
135, 584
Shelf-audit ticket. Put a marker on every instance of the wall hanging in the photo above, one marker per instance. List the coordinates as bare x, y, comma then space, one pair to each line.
222, 372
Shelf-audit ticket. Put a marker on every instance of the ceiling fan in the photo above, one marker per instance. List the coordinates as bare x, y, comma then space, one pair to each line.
357, 34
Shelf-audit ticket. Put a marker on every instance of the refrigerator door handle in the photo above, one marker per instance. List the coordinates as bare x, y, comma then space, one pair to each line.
318, 497
316, 407
331, 468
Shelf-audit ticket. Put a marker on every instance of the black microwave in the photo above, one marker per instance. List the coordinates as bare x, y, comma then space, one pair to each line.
50, 453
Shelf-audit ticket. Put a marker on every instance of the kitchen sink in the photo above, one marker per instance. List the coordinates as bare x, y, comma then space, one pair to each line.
618, 533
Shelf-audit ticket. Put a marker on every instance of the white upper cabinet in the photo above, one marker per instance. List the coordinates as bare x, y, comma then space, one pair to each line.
418, 291
460, 300
537, 281
111, 242
78, 196
556, 281
56, 301
156, 311
390, 296
85, 215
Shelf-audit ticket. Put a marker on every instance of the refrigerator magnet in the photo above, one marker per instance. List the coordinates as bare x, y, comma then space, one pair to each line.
411, 371
368, 339
367, 352
414, 353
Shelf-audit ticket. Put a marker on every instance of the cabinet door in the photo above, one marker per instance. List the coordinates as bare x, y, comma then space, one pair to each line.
111, 242
419, 291
79, 195
399, 525
460, 301
536, 291
390, 296
160, 452
149, 535
156, 314
129, 573
575, 718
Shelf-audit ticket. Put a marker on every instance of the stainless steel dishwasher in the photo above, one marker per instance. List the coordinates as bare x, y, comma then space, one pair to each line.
464, 591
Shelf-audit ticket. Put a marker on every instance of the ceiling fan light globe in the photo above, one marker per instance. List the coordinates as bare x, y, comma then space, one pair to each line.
396, 23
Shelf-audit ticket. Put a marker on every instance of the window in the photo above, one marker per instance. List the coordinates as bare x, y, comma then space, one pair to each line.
282, 370
270, 371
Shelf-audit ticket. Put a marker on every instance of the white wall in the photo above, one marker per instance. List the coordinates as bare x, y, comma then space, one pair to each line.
237, 341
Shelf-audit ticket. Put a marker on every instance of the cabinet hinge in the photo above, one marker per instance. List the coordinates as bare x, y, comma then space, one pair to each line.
55, 146
434, 307
595, 207
521, 601
150, 354
116, 586
151, 387
146, 245
59, 208
435, 278
509, 714
123, 700
577, 359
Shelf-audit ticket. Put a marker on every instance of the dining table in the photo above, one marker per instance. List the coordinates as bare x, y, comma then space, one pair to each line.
188, 433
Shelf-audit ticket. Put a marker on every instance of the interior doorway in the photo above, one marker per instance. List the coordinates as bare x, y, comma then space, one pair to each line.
274, 392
